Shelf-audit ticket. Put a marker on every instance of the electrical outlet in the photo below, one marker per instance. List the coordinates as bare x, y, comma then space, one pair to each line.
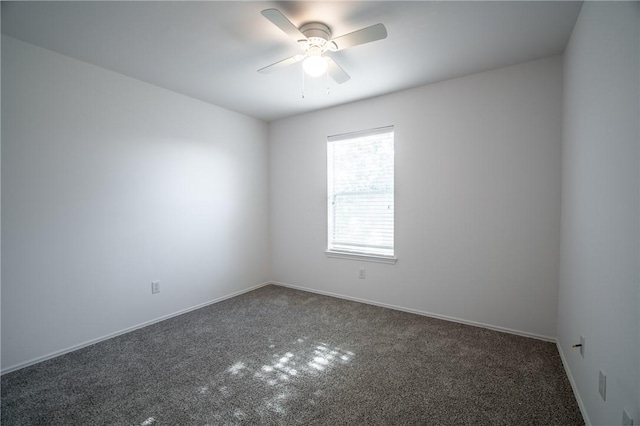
155, 287
626, 420
602, 386
582, 346
361, 274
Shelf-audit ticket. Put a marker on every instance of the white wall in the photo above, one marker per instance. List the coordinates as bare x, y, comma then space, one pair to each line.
600, 254
477, 198
109, 183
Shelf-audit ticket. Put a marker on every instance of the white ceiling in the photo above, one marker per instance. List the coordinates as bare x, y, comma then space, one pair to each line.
211, 50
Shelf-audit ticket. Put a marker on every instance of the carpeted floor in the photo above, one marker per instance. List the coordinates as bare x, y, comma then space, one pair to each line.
282, 356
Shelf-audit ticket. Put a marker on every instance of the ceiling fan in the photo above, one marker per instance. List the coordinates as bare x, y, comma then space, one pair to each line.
315, 40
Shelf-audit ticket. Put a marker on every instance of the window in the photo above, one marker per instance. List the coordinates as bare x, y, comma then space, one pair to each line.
360, 170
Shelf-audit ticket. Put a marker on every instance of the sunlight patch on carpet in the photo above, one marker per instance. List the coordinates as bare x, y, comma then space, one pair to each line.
236, 368
304, 361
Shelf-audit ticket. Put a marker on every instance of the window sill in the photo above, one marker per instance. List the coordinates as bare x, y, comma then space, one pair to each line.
390, 260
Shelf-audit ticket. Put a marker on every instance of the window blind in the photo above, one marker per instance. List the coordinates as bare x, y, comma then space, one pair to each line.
360, 171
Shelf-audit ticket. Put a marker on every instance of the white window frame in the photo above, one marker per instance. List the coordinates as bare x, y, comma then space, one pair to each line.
354, 254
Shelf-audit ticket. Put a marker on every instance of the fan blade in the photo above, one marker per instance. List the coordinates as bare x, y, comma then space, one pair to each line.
365, 35
281, 21
336, 72
281, 64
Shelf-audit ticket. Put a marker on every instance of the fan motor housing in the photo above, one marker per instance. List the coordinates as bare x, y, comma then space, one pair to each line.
316, 30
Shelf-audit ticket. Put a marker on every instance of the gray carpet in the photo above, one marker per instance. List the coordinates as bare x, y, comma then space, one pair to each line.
282, 356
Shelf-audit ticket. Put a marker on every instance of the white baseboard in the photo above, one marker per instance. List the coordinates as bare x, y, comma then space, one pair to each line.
326, 293
567, 370
583, 411
419, 312
126, 330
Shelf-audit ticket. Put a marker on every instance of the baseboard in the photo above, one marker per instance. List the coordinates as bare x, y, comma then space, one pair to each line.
126, 330
419, 312
567, 370
311, 290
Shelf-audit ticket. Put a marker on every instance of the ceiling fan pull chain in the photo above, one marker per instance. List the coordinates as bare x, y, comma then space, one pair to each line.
302, 82
327, 77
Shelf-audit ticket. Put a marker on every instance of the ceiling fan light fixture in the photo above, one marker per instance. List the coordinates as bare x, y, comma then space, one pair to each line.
315, 39
315, 65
